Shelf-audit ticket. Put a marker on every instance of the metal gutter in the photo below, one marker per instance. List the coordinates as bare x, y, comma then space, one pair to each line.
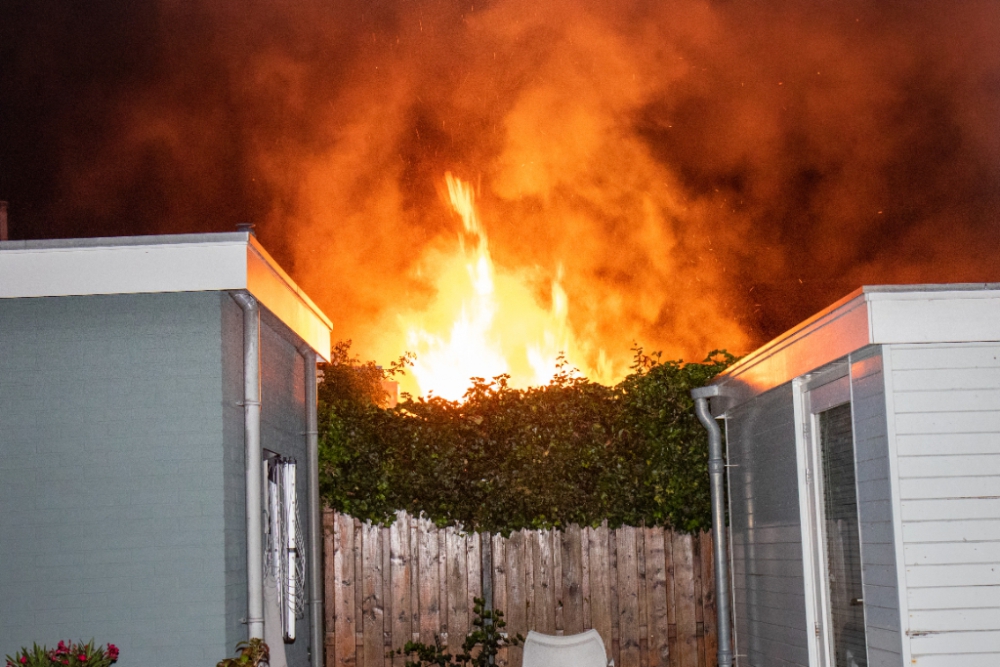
254, 463
716, 469
316, 629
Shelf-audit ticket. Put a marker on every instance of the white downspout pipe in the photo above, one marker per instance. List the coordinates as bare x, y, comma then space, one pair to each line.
254, 463
716, 470
316, 630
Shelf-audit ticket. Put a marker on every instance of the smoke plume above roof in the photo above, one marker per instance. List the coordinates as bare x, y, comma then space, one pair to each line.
706, 173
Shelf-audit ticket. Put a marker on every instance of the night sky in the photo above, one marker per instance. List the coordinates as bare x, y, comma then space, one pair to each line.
763, 158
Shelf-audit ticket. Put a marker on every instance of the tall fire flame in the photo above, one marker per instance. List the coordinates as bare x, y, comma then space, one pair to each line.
484, 322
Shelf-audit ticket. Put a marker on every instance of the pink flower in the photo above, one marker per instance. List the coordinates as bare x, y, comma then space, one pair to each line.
24, 660
82, 657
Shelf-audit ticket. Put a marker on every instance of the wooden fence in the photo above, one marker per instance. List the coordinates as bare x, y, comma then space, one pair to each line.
648, 591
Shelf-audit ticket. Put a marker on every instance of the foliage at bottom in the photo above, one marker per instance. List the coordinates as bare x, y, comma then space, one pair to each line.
73, 654
479, 649
253, 653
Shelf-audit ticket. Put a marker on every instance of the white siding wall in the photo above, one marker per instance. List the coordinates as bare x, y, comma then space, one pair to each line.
946, 404
878, 558
765, 529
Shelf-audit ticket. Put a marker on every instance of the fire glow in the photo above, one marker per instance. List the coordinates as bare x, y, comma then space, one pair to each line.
705, 174
495, 325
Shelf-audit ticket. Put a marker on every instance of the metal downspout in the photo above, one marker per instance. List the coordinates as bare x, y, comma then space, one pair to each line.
316, 630
716, 470
254, 463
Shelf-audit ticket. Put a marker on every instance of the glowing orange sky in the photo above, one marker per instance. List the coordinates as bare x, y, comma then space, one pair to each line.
705, 174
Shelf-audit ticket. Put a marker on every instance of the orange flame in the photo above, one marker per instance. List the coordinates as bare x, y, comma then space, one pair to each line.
485, 322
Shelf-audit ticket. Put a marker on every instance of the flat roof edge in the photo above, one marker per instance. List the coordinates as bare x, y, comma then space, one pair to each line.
113, 241
291, 284
869, 315
230, 261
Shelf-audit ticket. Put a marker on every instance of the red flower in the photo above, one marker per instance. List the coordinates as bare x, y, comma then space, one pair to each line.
82, 657
112, 651
24, 660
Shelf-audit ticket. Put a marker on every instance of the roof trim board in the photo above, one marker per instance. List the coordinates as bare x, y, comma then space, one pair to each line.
157, 264
871, 315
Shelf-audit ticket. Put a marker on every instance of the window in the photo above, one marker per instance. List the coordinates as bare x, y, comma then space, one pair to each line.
283, 542
843, 540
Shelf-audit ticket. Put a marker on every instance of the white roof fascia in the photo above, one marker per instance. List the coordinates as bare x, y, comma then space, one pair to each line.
881, 314
270, 285
158, 264
938, 316
829, 335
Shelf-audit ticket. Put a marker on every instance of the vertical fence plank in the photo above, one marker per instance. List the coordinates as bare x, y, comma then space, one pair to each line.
429, 581
710, 612
613, 581
572, 578
517, 604
474, 568
684, 595
628, 598
345, 650
386, 596
558, 607
443, 584
458, 589
525, 549
656, 582
699, 610
329, 587
372, 605
400, 569
643, 627
600, 584
498, 549
359, 572
544, 598
668, 558
414, 578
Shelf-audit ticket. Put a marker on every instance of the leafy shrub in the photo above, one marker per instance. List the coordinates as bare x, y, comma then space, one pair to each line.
479, 649
253, 653
74, 654
572, 451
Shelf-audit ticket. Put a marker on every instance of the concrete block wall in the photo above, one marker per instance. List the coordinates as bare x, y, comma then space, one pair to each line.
111, 475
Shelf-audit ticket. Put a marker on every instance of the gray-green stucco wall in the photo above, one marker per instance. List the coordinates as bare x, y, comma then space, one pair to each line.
122, 471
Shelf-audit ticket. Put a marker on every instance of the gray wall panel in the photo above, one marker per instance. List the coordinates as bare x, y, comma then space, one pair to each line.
283, 427
234, 470
878, 551
112, 436
766, 532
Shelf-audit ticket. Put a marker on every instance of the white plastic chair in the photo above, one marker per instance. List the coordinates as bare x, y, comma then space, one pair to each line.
583, 650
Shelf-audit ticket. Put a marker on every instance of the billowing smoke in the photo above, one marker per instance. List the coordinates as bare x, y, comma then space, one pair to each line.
706, 173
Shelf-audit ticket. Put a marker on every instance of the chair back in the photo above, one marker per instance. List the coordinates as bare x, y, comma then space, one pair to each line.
583, 650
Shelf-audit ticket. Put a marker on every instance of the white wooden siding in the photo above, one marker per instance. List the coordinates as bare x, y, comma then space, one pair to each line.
878, 554
768, 589
946, 400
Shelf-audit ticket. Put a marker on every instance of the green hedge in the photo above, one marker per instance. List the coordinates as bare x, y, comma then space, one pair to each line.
504, 459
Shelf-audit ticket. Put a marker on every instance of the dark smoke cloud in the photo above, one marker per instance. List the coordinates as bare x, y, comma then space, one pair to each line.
708, 173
